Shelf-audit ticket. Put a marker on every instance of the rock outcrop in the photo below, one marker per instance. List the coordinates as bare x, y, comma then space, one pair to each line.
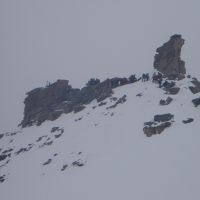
153, 130
158, 125
188, 120
196, 101
163, 117
168, 61
48, 103
166, 102
196, 86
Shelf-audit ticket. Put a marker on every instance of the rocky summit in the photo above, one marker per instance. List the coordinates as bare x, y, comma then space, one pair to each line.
167, 59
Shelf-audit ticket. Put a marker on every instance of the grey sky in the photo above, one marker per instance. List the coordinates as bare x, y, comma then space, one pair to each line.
44, 40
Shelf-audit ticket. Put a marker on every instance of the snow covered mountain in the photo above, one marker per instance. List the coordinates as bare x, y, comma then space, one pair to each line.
139, 142
101, 153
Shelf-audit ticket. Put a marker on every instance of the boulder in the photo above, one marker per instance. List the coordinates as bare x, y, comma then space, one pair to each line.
163, 117
158, 125
188, 120
196, 86
3, 157
153, 130
167, 59
196, 102
166, 102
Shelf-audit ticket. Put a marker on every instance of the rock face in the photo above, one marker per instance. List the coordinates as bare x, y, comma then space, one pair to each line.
49, 103
168, 61
42, 103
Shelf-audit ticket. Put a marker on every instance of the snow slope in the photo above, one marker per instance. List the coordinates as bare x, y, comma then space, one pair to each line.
119, 161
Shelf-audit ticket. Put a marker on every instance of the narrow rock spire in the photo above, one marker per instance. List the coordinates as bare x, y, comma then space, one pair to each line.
167, 59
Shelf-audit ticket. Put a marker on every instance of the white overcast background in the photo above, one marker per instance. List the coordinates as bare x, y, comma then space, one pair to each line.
46, 40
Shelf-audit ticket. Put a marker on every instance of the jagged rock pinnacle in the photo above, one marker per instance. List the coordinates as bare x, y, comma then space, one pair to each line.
168, 61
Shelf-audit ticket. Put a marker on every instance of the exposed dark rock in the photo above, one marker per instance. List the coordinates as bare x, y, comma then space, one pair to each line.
163, 117
119, 101
158, 125
48, 103
103, 90
149, 123
139, 95
112, 114
99, 92
168, 84
173, 90
196, 102
22, 150
152, 130
102, 103
40, 138
47, 143
78, 108
58, 135
80, 118
1, 136
43, 103
78, 163
115, 82
196, 88
132, 79
3, 157
54, 129
168, 61
15, 133
189, 120
7, 151
124, 81
93, 82
4, 164
166, 102
47, 162
170, 87
57, 129
64, 167
113, 99
2, 178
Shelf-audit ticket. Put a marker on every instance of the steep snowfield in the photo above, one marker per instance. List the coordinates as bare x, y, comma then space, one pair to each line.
119, 161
